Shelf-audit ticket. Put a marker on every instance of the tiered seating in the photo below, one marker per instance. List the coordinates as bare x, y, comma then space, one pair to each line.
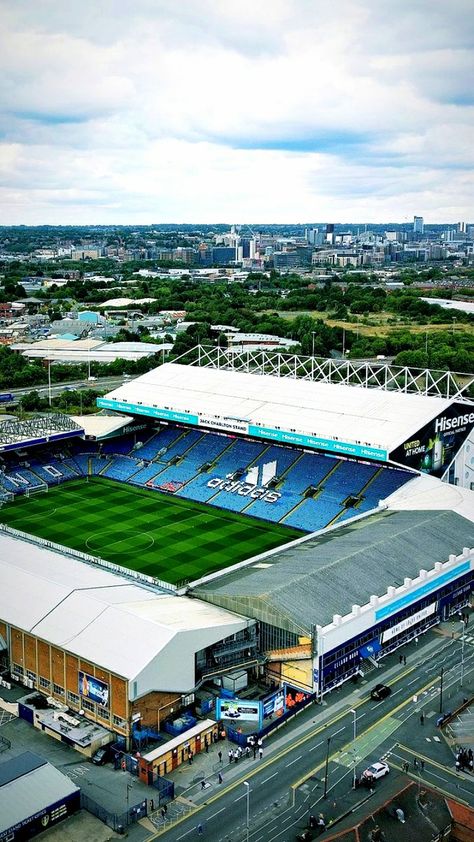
53, 471
118, 446
388, 481
239, 456
82, 462
309, 470
313, 514
146, 474
348, 478
121, 468
19, 480
150, 449
178, 447
97, 464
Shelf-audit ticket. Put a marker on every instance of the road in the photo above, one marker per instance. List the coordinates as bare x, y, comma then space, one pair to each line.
289, 785
101, 384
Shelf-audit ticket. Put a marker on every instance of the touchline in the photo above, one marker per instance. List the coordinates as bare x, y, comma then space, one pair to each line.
443, 424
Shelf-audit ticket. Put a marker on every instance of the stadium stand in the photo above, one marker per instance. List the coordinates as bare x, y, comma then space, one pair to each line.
313, 489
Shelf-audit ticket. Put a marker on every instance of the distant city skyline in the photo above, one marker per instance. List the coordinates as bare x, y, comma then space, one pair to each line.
206, 110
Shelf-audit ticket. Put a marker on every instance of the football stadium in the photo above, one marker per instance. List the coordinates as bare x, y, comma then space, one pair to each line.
280, 517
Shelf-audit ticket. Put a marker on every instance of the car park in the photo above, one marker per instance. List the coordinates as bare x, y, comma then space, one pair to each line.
379, 692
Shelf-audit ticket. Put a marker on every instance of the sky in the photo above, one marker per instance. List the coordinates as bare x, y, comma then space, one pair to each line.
149, 111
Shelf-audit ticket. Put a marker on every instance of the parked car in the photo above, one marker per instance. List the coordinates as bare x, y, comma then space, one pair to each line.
102, 755
376, 771
380, 691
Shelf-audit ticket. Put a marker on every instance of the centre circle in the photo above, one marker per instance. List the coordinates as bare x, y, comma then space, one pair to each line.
120, 541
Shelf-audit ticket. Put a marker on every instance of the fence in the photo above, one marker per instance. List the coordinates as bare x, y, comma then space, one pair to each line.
236, 736
4, 744
165, 789
116, 821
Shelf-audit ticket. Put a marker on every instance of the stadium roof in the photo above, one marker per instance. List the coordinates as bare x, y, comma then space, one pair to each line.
308, 583
373, 417
101, 426
102, 618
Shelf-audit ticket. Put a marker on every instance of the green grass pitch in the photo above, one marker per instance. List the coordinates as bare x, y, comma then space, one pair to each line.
170, 538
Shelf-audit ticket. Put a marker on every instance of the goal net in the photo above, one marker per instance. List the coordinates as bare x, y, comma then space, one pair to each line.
41, 489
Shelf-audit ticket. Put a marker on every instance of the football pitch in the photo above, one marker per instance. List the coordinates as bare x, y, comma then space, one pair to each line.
172, 539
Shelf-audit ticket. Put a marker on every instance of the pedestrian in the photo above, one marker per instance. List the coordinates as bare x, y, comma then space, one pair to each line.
416, 641
152, 805
247, 752
219, 778
254, 751
400, 659
404, 660
219, 754
231, 755
415, 763
206, 742
165, 808
163, 813
260, 752
260, 743
200, 829
422, 764
203, 784
236, 756
422, 719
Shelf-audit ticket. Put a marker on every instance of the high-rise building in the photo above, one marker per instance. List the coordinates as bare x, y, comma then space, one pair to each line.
418, 225
330, 233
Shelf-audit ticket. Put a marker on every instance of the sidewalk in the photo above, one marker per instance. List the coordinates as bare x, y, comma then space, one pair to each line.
206, 766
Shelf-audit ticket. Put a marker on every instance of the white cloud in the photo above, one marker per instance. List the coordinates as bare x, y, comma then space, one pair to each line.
206, 110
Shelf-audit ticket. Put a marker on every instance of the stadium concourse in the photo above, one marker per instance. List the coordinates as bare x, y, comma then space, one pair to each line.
294, 508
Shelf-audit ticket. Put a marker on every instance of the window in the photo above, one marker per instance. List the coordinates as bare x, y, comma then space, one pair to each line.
87, 705
73, 698
44, 683
58, 690
17, 668
103, 713
119, 722
31, 675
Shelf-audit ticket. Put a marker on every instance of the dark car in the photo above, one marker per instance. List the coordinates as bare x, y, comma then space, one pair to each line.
102, 755
380, 691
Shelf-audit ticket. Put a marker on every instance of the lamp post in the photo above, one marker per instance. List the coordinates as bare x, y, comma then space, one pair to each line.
325, 795
463, 623
313, 332
247, 785
354, 736
49, 382
441, 690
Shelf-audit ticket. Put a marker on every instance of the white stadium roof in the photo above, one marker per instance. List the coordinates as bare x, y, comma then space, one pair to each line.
372, 417
126, 628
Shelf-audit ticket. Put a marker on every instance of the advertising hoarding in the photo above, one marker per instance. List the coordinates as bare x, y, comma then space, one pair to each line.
94, 690
238, 709
434, 446
408, 622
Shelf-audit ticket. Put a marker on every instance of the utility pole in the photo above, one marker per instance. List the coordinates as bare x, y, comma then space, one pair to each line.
354, 737
441, 691
462, 650
326, 769
247, 785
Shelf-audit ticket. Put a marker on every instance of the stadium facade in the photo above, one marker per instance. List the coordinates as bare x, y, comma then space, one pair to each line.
389, 557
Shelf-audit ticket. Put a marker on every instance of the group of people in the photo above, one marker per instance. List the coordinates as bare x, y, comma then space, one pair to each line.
464, 760
253, 745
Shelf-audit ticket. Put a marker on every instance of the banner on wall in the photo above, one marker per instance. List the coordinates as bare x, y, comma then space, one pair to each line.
274, 705
409, 622
238, 709
433, 447
94, 690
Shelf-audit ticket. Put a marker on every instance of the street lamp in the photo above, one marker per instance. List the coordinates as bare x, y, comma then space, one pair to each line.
463, 623
325, 795
354, 736
247, 785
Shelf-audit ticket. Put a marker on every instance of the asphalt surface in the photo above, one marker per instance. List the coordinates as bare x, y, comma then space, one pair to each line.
288, 784
56, 388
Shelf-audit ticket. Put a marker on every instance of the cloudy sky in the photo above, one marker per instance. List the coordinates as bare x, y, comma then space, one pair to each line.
140, 111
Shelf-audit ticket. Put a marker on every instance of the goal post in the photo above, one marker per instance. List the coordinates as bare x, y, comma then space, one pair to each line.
40, 489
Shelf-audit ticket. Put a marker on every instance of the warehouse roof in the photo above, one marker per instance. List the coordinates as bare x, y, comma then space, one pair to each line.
28, 785
309, 582
336, 412
94, 614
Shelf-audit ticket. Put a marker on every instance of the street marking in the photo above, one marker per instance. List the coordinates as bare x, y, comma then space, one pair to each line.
295, 760
269, 779
215, 814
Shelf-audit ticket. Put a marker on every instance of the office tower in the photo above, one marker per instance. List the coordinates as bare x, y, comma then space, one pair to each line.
418, 225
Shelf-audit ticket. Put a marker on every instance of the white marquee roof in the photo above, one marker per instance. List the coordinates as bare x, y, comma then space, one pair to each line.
101, 617
346, 413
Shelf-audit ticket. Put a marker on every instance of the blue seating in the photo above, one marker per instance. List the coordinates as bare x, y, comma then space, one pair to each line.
313, 514
164, 438
178, 447
144, 475
310, 470
388, 481
121, 468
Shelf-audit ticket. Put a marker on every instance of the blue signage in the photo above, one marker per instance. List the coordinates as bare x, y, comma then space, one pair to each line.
94, 690
151, 411
370, 649
422, 591
317, 443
